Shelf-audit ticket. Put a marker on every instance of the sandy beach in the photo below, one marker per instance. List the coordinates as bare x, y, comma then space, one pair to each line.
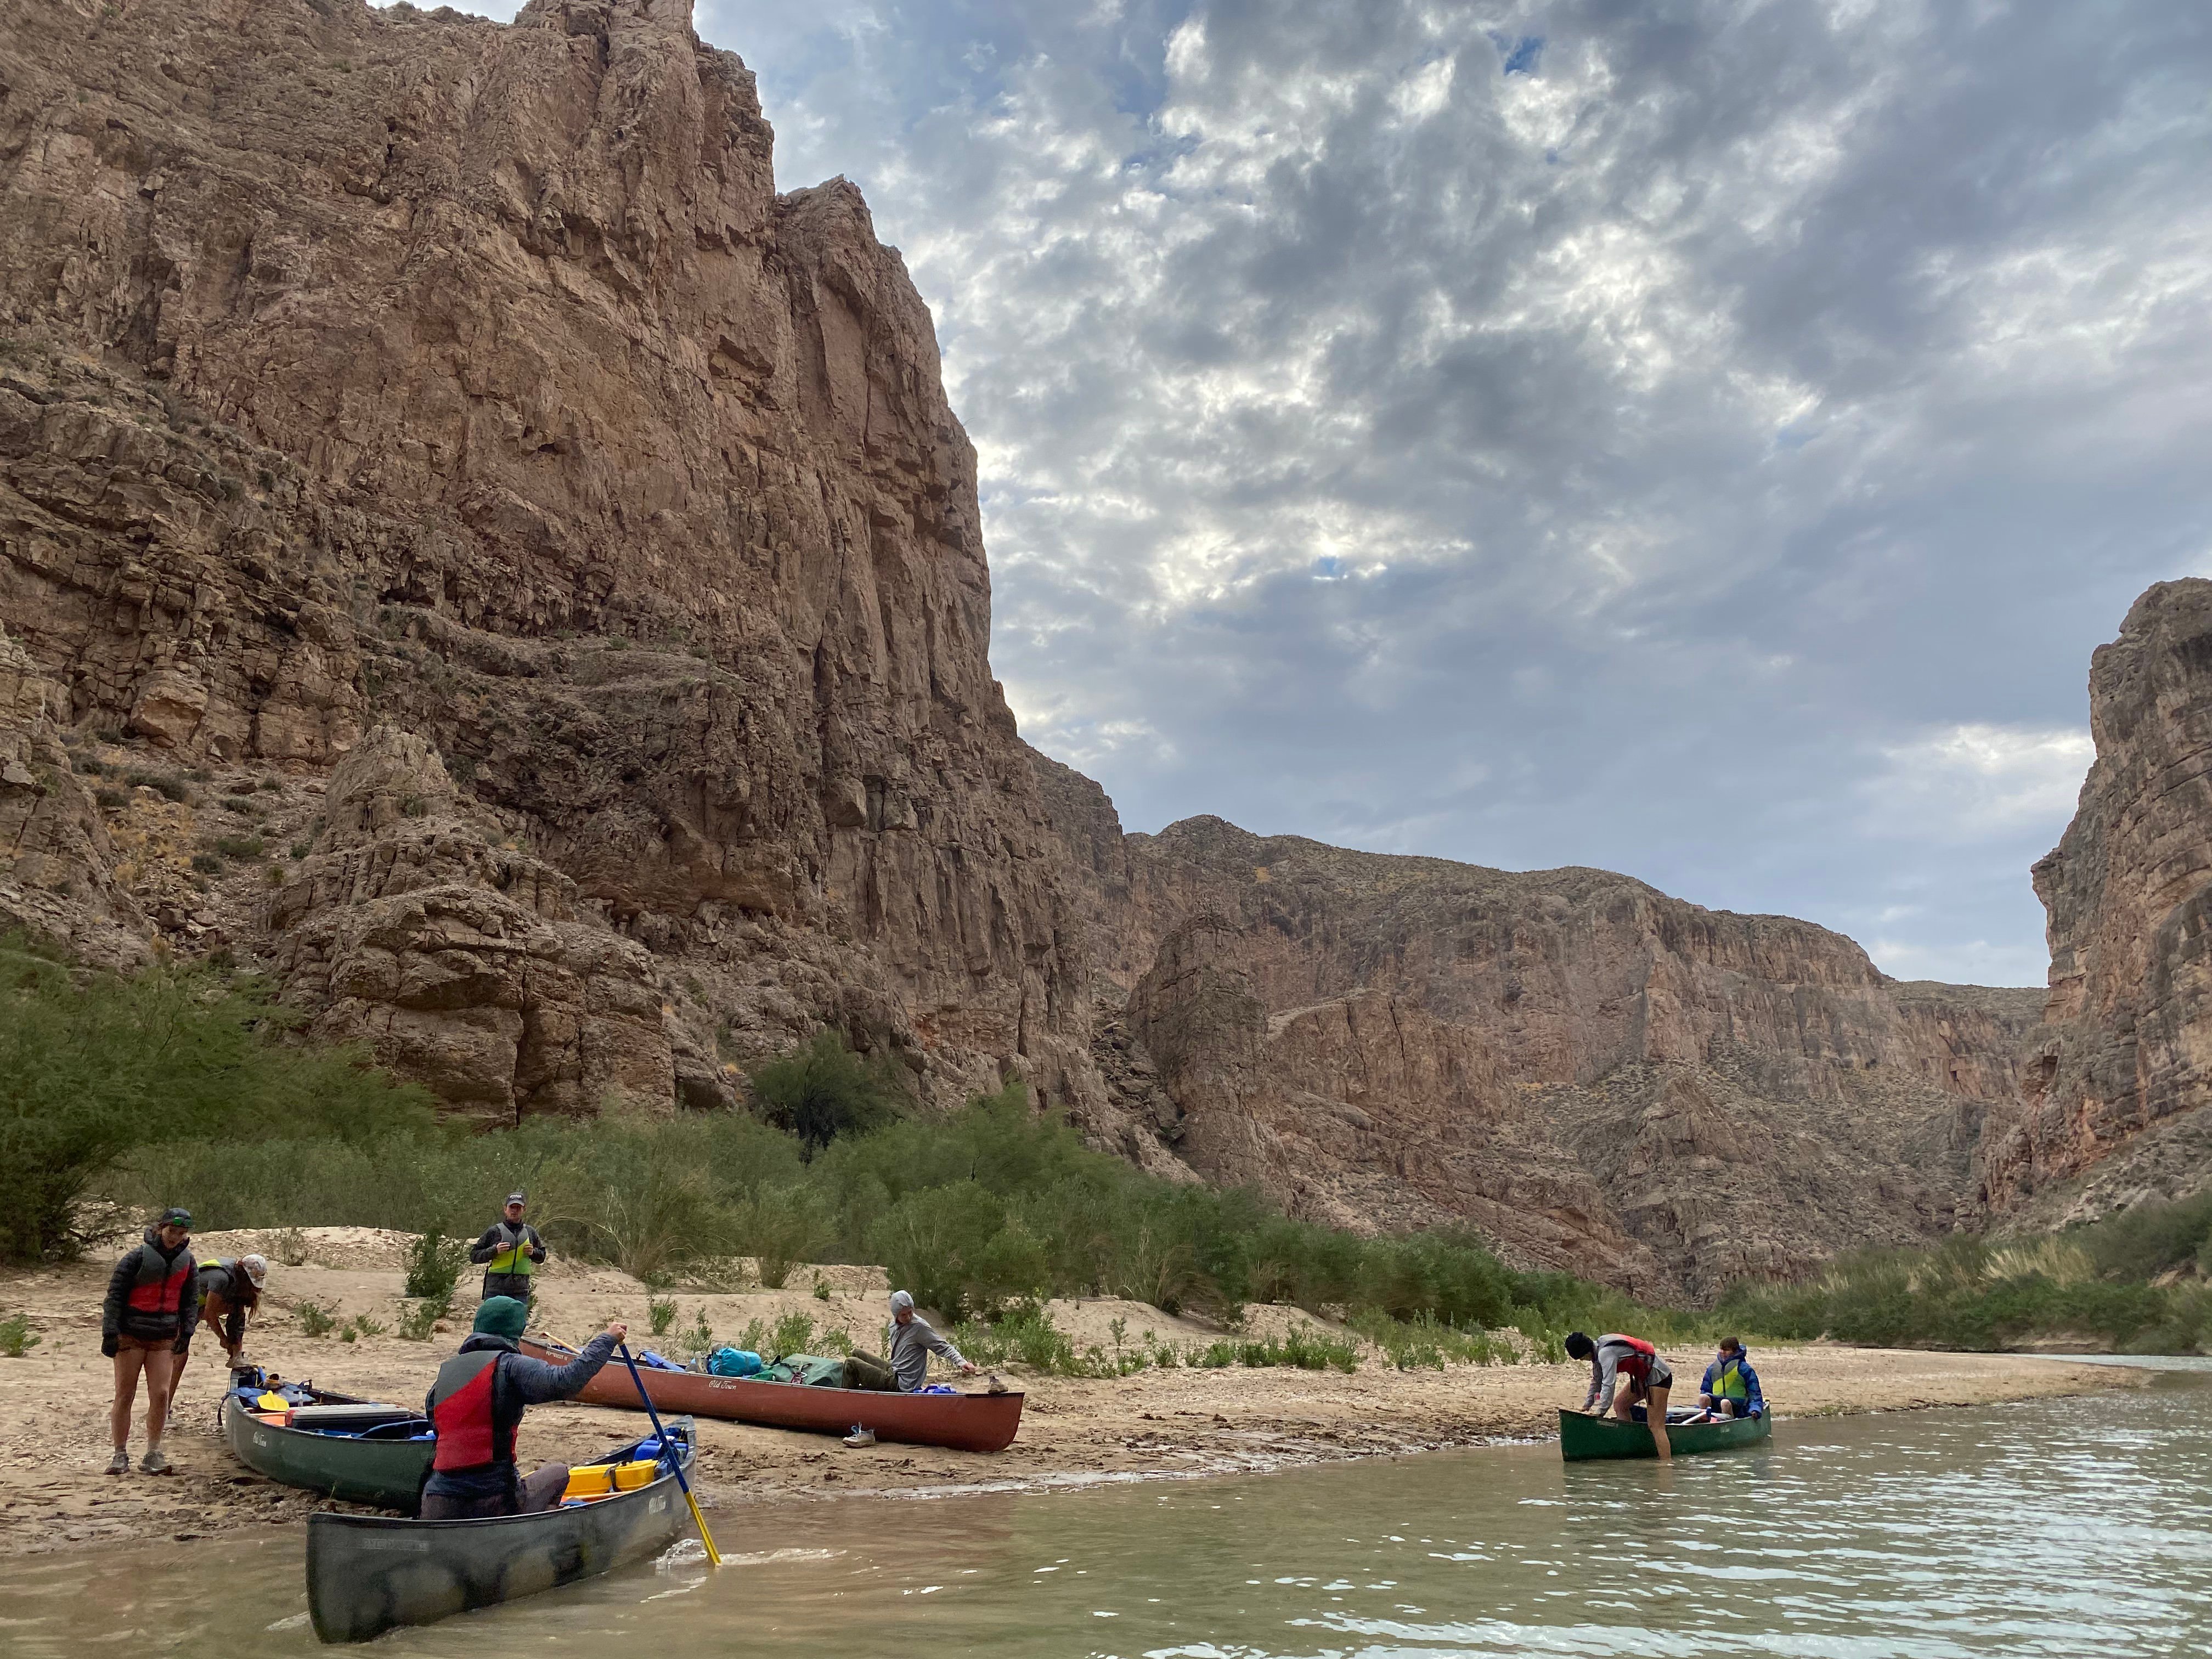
1156, 1422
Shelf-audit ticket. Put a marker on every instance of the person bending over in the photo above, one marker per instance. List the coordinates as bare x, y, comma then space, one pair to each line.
1615, 1358
476, 1404
230, 1291
146, 1325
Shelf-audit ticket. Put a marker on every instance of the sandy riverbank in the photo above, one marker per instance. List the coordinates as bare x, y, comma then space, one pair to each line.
53, 1403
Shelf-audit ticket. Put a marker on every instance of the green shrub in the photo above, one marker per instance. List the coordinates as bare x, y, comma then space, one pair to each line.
94, 1066
243, 847
793, 1333
315, 1319
207, 864
660, 1312
435, 1265
15, 1337
823, 1091
420, 1322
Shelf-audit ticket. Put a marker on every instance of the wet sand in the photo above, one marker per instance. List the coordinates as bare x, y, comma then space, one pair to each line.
1156, 1422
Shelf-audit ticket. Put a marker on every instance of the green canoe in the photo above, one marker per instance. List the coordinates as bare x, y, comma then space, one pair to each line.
357, 1451
1582, 1437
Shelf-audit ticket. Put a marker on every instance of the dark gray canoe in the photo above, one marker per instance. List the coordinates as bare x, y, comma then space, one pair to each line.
355, 1450
368, 1573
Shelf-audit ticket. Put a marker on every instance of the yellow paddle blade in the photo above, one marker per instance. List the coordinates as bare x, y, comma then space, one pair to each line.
714, 1555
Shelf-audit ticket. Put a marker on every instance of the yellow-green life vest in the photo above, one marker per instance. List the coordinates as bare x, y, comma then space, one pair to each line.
515, 1258
1729, 1383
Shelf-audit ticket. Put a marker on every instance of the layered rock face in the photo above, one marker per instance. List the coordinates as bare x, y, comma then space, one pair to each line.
2112, 1107
391, 368
1594, 1073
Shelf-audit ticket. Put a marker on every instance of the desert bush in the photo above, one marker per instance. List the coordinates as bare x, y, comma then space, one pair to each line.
793, 1333
824, 1091
315, 1319
660, 1313
435, 1265
418, 1323
15, 1337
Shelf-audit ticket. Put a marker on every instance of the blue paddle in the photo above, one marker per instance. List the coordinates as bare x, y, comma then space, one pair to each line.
676, 1462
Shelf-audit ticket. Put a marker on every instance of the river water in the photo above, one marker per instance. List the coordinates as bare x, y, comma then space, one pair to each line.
2063, 1527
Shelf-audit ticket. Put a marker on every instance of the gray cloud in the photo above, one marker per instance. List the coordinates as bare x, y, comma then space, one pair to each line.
1710, 451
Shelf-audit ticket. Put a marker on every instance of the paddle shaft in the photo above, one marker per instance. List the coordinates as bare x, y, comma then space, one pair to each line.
714, 1555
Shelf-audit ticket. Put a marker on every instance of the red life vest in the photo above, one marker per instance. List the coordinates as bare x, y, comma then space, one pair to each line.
473, 1433
159, 1286
1637, 1362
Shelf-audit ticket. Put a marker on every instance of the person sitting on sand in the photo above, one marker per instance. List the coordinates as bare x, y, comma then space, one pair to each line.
476, 1404
1730, 1387
509, 1252
1613, 1358
146, 1324
911, 1340
230, 1291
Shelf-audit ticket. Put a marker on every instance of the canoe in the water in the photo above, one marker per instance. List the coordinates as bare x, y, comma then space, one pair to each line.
368, 1573
964, 1422
1583, 1437
355, 1450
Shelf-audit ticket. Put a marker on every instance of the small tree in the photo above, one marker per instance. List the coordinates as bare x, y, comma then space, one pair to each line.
823, 1091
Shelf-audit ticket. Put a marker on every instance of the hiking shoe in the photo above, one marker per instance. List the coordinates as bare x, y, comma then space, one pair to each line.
155, 1463
120, 1463
860, 1436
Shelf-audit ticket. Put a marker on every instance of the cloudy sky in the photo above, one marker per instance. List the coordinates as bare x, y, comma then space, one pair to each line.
1701, 439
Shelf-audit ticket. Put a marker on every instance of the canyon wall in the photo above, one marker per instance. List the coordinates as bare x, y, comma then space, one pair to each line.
472, 548
1595, 1074
378, 370
2113, 1104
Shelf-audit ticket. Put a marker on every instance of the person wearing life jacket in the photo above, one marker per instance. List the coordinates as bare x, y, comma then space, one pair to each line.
509, 1253
1730, 1387
1615, 1358
477, 1406
229, 1292
146, 1325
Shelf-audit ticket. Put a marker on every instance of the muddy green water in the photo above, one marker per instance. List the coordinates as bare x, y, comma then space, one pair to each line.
2066, 1527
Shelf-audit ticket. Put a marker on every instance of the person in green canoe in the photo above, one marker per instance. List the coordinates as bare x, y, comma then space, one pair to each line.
1614, 1358
1730, 1387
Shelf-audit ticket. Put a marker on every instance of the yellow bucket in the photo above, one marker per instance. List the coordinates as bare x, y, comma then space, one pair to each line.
629, 1477
592, 1480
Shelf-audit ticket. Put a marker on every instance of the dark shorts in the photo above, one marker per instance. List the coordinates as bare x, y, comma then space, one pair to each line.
515, 1284
1660, 1377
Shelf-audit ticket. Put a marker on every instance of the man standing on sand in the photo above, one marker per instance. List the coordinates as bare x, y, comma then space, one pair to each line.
476, 1404
1613, 1358
146, 1325
509, 1252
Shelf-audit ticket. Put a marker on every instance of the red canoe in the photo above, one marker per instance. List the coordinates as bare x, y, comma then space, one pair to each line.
965, 1422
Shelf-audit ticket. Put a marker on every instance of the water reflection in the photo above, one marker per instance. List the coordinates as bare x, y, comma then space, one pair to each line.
2055, 1529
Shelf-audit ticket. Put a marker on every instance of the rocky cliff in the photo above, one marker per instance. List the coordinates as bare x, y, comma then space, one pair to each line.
383, 369
2114, 1103
473, 548
1594, 1073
